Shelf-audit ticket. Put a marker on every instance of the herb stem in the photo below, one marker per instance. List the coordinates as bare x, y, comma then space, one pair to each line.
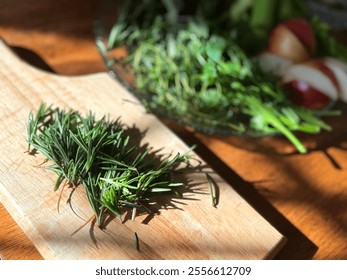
273, 120
262, 17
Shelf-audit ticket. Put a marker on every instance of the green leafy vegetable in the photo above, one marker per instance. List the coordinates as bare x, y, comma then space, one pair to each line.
198, 74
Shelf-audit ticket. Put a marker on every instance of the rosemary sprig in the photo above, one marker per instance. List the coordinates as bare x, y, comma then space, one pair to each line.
97, 154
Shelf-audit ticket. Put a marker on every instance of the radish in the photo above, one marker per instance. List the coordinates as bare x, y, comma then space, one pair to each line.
302, 94
312, 84
293, 39
340, 71
303, 31
272, 63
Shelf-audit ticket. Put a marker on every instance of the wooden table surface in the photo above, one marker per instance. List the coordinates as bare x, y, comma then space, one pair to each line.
303, 196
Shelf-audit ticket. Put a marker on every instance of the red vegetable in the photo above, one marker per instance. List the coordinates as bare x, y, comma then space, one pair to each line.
273, 63
293, 39
339, 69
312, 84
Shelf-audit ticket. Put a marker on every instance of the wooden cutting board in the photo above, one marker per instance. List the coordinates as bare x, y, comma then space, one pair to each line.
187, 228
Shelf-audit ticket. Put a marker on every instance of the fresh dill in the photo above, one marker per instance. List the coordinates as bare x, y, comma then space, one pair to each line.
97, 154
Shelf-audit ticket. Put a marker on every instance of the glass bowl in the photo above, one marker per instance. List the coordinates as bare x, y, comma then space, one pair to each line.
115, 58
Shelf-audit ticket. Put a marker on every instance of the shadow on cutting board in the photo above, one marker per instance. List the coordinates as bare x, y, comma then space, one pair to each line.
31, 58
295, 238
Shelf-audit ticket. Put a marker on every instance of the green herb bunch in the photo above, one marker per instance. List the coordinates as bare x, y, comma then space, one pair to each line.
193, 72
98, 155
327, 44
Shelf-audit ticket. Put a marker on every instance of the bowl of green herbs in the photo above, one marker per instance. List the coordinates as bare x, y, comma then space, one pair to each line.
188, 61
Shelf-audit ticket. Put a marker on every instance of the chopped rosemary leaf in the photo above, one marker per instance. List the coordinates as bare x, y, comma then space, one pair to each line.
213, 197
97, 154
136, 242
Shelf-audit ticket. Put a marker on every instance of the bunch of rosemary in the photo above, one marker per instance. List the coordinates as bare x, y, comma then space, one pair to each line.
97, 154
191, 70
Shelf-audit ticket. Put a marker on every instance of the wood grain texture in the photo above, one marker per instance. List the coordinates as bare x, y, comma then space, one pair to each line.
14, 244
303, 196
184, 228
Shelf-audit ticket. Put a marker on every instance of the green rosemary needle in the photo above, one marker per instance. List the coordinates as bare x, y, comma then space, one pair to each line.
213, 198
97, 155
136, 242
